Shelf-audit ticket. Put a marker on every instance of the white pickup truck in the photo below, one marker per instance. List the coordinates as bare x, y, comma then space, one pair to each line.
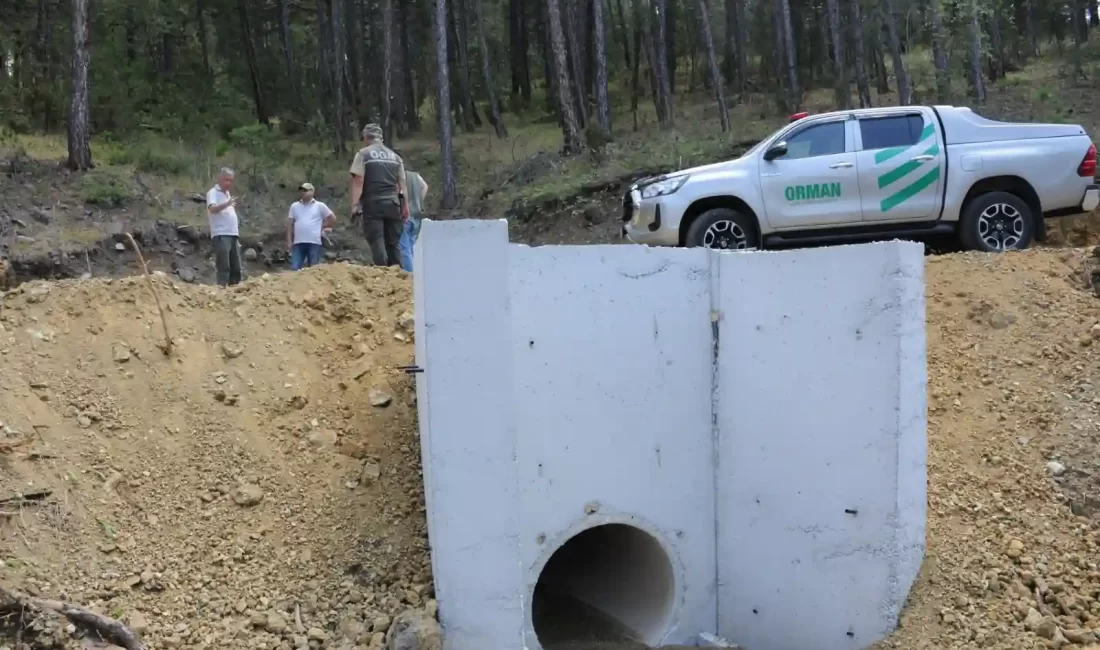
908, 171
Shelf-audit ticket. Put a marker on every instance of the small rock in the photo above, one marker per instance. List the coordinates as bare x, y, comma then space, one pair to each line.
407, 321
120, 247
275, 623
316, 634
139, 623
1001, 320
1095, 331
230, 351
248, 495
1047, 628
1033, 620
1015, 549
41, 216
1055, 468
323, 438
413, 630
121, 353
594, 215
370, 473
250, 255
186, 274
380, 624
1080, 637
379, 398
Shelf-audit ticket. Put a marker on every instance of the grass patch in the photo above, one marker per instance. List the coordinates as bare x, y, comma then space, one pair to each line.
105, 188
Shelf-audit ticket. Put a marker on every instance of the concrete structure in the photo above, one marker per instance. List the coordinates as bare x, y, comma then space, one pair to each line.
657, 443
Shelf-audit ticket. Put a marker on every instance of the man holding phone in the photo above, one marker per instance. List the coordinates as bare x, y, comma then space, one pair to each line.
224, 229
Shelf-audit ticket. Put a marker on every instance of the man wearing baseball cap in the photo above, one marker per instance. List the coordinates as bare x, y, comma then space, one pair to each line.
307, 219
379, 192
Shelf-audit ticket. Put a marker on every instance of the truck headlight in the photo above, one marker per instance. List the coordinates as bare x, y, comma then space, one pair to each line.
663, 188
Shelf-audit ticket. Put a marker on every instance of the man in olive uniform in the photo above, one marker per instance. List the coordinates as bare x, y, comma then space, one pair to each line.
378, 192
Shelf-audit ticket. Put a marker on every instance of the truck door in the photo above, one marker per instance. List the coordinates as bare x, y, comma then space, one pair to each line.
900, 163
815, 182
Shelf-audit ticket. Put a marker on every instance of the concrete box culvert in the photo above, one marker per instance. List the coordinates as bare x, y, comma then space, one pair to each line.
760, 417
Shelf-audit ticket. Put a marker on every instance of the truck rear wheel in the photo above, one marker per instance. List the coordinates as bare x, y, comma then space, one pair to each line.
997, 222
723, 229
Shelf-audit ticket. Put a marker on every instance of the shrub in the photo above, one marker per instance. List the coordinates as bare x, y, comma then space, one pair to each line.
105, 189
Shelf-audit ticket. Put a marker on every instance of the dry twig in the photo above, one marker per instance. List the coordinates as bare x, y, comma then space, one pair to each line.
167, 347
108, 628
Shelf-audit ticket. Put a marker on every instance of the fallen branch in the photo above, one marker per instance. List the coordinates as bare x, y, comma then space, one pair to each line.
108, 628
24, 499
167, 347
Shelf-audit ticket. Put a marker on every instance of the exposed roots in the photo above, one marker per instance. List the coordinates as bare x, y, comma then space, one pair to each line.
104, 627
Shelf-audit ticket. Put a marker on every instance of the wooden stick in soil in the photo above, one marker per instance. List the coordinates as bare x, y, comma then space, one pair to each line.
108, 628
167, 347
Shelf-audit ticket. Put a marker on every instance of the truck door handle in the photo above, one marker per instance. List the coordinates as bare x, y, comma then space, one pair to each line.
840, 165
923, 158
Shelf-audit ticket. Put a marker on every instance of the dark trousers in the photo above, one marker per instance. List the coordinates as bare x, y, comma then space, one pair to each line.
384, 237
227, 259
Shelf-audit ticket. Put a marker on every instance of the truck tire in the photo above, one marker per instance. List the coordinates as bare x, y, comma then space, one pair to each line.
723, 229
997, 222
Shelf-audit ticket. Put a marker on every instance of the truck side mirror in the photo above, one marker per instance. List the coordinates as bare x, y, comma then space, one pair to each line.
776, 150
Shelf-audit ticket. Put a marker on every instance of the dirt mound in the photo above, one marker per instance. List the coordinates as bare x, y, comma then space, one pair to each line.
259, 488
1013, 440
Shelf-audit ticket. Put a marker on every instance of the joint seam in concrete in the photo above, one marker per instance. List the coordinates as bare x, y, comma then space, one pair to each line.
715, 433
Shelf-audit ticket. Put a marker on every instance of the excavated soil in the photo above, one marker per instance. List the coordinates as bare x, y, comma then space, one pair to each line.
260, 486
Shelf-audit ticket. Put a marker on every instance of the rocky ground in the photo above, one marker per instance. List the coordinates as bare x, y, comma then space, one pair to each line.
259, 486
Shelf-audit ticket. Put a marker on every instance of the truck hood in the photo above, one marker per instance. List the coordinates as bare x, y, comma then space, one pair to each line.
718, 167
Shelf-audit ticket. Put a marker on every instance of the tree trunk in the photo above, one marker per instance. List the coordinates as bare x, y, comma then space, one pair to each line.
253, 64
663, 92
339, 57
893, 42
716, 80
977, 84
519, 50
624, 33
462, 60
790, 49
487, 74
939, 52
635, 73
599, 31
287, 39
669, 11
80, 150
574, 43
200, 16
997, 62
412, 100
843, 86
859, 50
571, 132
386, 96
446, 145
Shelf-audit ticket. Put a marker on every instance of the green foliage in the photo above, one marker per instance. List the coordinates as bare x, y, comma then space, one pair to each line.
105, 188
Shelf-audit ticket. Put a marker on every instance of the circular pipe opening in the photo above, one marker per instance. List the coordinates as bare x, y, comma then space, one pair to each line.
612, 583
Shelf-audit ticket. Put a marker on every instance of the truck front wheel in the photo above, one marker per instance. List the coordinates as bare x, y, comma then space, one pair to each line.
997, 222
723, 229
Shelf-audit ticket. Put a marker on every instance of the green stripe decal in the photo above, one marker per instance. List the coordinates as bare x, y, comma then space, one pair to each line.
912, 190
887, 154
898, 173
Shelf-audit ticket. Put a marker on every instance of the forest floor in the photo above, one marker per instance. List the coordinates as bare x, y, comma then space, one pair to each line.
54, 223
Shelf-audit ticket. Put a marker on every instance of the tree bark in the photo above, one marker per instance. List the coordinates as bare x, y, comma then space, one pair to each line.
939, 52
717, 83
859, 50
80, 150
574, 47
790, 49
893, 42
519, 49
843, 86
977, 83
495, 117
412, 100
603, 104
624, 33
462, 60
287, 39
200, 28
668, 9
571, 131
635, 73
446, 145
262, 115
387, 70
663, 92
339, 57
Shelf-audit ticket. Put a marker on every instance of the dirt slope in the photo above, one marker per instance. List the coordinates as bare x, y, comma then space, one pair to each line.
267, 472
1013, 433
153, 463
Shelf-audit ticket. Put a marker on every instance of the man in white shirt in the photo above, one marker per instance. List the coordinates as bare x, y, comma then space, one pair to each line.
221, 206
307, 219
